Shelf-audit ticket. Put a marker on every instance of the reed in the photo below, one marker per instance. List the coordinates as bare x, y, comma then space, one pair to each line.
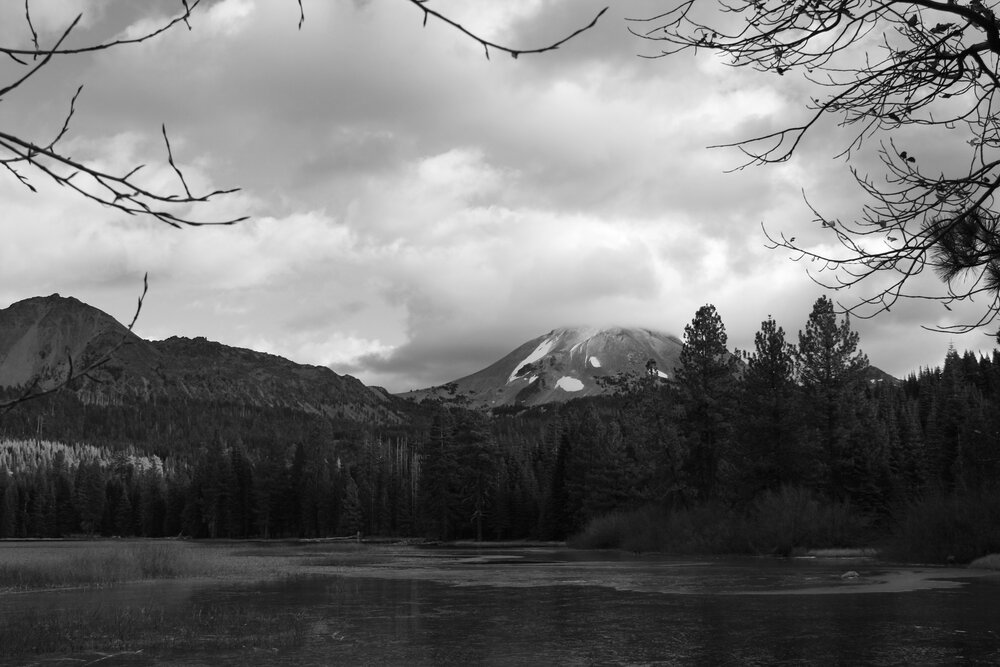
57, 565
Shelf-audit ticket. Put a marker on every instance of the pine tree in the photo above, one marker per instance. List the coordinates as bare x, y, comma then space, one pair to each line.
90, 496
8, 504
477, 459
351, 518
438, 467
831, 372
153, 504
769, 443
706, 396
67, 521
557, 513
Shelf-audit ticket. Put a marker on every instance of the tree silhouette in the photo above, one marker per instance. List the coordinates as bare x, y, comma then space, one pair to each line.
831, 373
706, 396
893, 72
770, 451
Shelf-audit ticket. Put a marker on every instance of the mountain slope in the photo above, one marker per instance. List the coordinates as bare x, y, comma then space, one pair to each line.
563, 364
39, 336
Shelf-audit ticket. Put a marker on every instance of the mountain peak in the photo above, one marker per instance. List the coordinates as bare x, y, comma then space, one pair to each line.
38, 337
565, 363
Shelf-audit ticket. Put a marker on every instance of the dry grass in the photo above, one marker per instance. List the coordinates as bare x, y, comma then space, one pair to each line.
31, 565
861, 552
119, 629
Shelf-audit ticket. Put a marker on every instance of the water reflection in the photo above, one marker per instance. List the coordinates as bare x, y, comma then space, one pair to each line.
423, 622
426, 607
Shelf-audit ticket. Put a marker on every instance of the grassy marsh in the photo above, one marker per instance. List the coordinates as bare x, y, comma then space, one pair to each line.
162, 611
32, 565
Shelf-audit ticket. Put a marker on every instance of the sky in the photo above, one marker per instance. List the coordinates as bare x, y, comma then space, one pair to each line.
416, 210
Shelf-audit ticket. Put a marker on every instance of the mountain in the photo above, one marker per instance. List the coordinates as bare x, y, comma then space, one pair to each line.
563, 364
39, 337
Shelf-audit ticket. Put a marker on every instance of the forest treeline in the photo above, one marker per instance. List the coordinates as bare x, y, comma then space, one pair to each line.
786, 445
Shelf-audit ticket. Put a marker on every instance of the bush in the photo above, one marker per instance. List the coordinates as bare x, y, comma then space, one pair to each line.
948, 528
778, 522
707, 528
988, 562
794, 518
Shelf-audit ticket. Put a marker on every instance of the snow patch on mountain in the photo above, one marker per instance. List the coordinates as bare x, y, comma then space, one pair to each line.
543, 348
662, 374
595, 362
567, 383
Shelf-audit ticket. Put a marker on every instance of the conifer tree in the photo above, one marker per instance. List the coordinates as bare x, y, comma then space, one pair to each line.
477, 460
557, 514
831, 371
67, 520
438, 492
8, 504
770, 451
351, 518
706, 396
90, 496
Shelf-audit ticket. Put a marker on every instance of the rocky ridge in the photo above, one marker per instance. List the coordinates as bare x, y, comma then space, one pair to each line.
41, 336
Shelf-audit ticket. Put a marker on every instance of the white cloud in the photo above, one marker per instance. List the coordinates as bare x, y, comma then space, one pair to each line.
418, 210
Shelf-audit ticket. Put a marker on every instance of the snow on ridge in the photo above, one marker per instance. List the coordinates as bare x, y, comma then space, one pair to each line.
567, 383
543, 348
595, 362
662, 374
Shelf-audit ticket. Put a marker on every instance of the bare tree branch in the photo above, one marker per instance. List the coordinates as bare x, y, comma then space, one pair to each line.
885, 67
118, 191
487, 45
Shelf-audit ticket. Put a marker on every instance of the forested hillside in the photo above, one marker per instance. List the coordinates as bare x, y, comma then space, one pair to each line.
780, 433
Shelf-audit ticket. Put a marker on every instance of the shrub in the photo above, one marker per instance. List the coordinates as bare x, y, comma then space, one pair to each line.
778, 522
987, 562
794, 517
948, 528
707, 528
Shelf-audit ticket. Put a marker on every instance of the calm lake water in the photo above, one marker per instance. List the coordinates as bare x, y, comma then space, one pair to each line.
411, 606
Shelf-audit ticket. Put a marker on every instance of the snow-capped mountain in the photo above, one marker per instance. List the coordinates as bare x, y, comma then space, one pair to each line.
561, 365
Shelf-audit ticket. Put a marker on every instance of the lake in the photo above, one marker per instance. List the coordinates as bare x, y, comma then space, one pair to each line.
433, 606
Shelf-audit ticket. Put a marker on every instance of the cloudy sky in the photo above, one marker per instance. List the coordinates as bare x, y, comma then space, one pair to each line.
417, 210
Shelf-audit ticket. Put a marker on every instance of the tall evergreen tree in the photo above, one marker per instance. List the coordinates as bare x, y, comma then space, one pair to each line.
706, 396
477, 462
831, 371
351, 519
557, 513
8, 504
770, 453
439, 465
90, 496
